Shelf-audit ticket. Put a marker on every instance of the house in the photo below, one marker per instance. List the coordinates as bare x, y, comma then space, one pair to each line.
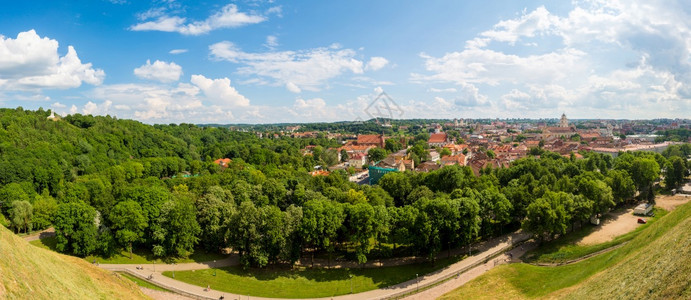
456, 149
375, 140
357, 160
427, 166
458, 159
352, 149
433, 155
401, 165
320, 173
438, 139
223, 162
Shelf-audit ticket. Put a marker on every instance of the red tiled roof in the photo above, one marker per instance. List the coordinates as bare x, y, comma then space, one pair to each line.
437, 138
222, 162
320, 173
373, 139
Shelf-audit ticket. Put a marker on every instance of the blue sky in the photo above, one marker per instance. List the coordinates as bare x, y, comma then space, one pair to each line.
169, 61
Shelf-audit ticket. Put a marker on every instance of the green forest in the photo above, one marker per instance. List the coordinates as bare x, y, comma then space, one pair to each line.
107, 184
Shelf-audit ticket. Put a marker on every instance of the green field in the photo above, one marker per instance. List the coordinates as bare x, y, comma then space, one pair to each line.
304, 282
656, 263
142, 282
139, 256
565, 248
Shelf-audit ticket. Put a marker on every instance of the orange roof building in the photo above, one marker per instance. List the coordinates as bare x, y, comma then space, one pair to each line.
223, 162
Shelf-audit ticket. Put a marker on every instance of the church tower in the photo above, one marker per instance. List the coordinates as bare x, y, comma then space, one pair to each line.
563, 122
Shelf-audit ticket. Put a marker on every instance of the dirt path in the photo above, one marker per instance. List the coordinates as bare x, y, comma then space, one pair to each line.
671, 202
623, 221
618, 222
40, 235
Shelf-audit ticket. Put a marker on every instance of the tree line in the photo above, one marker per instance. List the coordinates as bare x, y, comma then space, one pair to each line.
126, 192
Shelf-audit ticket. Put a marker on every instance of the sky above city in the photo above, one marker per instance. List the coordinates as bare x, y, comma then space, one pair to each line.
254, 61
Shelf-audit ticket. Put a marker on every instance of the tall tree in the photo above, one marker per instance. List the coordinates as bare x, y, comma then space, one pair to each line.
129, 223
675, 171
75, 228
21, 214
644, 171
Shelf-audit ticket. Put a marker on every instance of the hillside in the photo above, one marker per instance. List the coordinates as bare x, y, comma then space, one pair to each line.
30, 272
660, 269
655, 264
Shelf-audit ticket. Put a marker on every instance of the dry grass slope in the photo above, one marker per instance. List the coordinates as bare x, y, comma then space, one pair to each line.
656, 264
28, 272
660, 270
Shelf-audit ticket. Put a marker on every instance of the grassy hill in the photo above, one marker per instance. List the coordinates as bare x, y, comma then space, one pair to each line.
655, 264
30, 272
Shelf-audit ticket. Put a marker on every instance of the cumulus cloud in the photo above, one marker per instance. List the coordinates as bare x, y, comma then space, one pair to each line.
219, 91
159, 71
293, 88
612, 56
32, 62
228, 17
307, 69
376, 62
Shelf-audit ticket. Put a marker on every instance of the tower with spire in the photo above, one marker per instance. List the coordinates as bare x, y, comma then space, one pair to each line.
563, 122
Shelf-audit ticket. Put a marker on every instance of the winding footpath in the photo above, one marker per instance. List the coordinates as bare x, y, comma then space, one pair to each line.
487, 253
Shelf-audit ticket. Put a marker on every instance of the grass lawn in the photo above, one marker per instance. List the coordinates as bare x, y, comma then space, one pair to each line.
304, 282
139, 256
518, 281
565, 248
142, 282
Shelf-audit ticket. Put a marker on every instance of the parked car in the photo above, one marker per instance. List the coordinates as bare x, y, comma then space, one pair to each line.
642, 221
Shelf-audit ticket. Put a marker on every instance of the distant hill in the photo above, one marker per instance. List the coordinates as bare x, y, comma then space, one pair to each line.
28, 272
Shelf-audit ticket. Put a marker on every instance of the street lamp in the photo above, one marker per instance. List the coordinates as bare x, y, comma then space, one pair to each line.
214, 267
351, 283
417, 281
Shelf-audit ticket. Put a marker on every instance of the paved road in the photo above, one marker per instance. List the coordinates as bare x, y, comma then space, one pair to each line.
485, 250
452, 284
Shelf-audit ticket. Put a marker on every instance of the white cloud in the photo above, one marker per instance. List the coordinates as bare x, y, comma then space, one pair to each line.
293, 88
177, 51
228, 17
271, 42
58, 105
612, 58
91, 108
30, 62
220, 91
308, 69
376, 62
159, 71
494, 67
446, 90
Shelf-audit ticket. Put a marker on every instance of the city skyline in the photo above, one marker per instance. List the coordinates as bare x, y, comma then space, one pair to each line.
280, 62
